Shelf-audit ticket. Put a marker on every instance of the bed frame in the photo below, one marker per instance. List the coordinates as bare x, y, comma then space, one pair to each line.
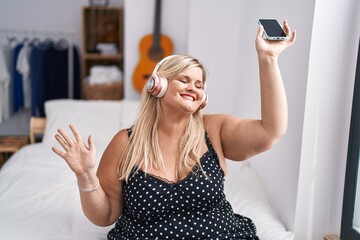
37, 128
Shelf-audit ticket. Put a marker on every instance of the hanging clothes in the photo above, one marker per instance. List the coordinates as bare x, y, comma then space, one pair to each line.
7, 50
23, 67
39, 71
49, 64
4, 85
56, 71
18, 94
77, 73
37, 75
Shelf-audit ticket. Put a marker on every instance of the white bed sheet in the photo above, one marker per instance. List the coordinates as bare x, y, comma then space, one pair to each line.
39, 198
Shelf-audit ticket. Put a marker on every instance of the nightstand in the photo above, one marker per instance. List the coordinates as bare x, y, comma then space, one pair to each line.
14, 134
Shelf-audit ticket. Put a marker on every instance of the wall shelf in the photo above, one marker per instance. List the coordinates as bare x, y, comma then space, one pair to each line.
101, 25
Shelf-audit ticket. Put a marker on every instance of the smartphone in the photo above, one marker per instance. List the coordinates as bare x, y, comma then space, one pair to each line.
272, 29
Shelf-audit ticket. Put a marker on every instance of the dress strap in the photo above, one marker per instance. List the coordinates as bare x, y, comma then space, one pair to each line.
208, 142
211, 149
129, 130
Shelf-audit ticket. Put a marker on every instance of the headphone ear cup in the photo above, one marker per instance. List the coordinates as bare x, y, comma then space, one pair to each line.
157, 85
204, 101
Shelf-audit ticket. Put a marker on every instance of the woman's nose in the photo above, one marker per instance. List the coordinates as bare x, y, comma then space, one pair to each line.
191, 87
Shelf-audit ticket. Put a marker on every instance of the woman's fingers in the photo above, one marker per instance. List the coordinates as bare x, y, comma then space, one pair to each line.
91, 143
67, 139
71, 146
68, 143
58, 152
60, 140
287, 29
291, 35
78, 156
260, 32
77, 135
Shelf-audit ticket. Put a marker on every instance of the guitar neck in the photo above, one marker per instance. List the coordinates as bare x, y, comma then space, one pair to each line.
156, 38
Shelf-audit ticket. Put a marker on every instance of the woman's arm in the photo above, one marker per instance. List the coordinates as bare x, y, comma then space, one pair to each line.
101, 193
243, 138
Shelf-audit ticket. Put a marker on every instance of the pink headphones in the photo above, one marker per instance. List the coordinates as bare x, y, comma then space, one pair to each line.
157, 85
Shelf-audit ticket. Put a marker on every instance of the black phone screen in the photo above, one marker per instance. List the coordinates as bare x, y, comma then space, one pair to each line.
272, 28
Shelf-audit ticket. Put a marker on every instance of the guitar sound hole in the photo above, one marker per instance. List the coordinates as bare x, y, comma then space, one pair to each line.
146, 77
156, 53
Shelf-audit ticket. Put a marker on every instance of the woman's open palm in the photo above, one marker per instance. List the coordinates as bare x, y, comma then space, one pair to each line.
79, 157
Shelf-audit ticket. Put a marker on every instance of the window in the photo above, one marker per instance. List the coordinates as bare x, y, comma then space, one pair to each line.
350, 222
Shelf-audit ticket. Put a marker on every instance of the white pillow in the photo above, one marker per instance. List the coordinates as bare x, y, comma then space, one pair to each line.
248, 196
100, 118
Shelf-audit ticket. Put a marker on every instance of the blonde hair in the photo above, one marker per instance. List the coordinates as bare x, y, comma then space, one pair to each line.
142, 150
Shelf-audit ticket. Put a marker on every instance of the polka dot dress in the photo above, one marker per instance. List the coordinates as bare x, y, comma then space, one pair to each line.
193, 208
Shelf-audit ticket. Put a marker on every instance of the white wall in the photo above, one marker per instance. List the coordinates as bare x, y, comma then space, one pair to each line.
332, 64
52, 15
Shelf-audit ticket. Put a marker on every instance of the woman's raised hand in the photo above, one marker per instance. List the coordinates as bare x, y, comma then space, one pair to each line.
273, 48
79, 157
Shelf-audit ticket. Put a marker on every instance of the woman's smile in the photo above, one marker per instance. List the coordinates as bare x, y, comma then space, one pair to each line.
188, 97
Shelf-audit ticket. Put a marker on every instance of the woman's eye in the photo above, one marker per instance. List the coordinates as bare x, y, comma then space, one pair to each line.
199, 85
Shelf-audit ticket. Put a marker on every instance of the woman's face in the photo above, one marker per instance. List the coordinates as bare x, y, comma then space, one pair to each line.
186, 90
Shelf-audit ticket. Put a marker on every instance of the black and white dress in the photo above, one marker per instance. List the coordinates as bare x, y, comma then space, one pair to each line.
193, 208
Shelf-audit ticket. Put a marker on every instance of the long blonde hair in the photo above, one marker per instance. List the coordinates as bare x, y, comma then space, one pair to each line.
142, 150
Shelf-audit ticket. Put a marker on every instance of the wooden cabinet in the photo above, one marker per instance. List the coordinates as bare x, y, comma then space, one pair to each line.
14, 134
102, 26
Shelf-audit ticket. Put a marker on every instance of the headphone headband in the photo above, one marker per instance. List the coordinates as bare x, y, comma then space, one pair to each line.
161, 62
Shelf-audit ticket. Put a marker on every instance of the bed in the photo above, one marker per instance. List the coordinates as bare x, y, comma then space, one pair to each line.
39, 197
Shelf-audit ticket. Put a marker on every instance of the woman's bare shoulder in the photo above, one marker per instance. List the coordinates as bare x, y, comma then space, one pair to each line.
121, 137
210, 120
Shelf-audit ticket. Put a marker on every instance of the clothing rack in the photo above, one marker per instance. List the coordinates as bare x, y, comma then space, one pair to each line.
42, 34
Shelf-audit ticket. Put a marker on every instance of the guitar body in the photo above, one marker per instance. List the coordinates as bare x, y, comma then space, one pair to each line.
150, 55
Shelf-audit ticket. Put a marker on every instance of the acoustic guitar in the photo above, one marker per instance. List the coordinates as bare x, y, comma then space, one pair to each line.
153, 48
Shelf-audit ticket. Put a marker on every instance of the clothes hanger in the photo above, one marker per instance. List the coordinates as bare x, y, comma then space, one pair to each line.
62, 44
26, 40
48, 41
35, 41
12, 40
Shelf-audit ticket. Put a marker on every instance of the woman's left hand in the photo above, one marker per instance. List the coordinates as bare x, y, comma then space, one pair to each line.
79, 157
273, 48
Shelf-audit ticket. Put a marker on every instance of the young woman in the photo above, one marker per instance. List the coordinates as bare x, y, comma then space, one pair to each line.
163, 177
